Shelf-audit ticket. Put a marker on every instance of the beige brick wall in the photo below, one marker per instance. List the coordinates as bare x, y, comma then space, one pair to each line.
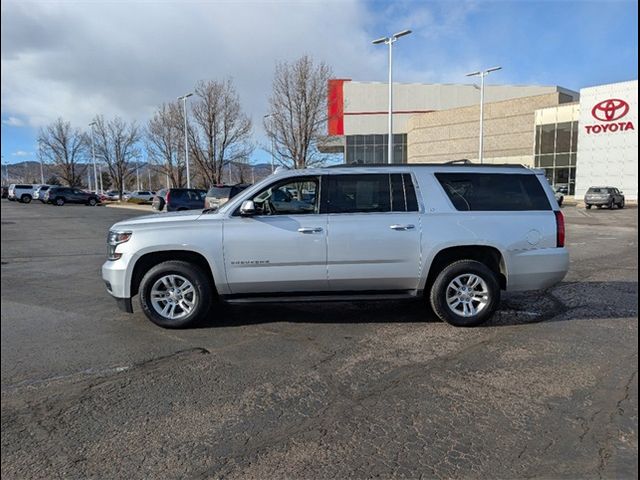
453, 134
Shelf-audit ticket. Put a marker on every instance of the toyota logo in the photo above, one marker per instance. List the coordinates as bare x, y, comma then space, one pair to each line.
610, 110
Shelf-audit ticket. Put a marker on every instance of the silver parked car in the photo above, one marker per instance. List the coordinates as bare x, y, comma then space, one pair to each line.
455, 235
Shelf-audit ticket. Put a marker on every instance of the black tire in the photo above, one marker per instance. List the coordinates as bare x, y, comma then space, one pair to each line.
59, 201
438, 295
588, 207
25, 199
92, 202
194, 274
612, 205
621, 204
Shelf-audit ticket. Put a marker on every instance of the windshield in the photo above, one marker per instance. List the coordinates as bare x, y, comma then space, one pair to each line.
219, 192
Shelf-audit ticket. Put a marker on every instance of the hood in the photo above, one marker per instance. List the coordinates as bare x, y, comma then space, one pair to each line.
167, 219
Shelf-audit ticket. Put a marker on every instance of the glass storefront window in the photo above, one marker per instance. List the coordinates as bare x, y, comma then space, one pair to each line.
547, 140
562, 160
543, 161
563, 137
367, 149
574, 136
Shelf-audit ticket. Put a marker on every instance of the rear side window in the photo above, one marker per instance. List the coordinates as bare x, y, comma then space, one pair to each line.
219, 192
358, 193
25, 187
494, 191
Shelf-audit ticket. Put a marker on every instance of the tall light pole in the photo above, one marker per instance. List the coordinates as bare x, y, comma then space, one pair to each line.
482, 74
270, 115
186, 143
390, 41
40, 159
93, 154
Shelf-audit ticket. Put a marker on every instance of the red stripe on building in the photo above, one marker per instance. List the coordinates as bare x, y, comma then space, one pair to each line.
335, 106
386, 112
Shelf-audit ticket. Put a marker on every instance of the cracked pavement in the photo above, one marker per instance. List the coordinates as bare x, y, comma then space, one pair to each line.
548, 388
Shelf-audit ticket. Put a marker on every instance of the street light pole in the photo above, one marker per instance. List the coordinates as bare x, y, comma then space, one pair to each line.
93, 154
270, 115
390, 41
482, 74
186, 143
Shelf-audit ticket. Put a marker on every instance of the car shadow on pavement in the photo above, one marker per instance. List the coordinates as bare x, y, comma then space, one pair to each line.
566, 301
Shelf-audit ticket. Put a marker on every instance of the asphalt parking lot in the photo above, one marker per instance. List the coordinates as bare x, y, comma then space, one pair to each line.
548, 389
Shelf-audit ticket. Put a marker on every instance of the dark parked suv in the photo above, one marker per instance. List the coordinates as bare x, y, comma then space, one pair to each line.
178, 199
604, 196
218, 195
61, 195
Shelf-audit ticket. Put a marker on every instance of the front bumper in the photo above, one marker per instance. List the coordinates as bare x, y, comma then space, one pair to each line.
114, 274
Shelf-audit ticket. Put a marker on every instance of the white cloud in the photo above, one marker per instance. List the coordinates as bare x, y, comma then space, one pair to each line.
79, 59
21, 153
13, 122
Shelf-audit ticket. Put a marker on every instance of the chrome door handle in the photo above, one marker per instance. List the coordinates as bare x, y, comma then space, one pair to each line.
402, 227
310, 230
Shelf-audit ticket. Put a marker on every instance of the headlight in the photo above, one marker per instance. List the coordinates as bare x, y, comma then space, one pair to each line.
113, 240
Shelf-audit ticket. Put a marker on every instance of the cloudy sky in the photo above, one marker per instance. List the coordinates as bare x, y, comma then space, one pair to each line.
79, 58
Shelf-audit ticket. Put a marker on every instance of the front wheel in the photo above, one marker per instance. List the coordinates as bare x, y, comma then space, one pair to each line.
465, 293
59, 201
588, 207
175, 294
621, 204
92, 202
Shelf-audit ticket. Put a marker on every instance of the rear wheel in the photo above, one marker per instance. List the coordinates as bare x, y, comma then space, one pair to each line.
588, 207
621, 204
25, 198
175, 294
465, 293
59, 201
612, 205
92, 202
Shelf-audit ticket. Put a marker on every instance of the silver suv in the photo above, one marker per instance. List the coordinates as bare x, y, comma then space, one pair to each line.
454, 234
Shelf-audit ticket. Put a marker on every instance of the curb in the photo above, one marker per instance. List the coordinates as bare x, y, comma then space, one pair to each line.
140, 208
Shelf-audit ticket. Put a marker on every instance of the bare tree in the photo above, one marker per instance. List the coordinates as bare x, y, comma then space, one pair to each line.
164, 140
220, 132
298, 114
116, 145
64, 147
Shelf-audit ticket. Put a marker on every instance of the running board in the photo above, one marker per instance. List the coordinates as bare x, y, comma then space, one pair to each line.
320, 298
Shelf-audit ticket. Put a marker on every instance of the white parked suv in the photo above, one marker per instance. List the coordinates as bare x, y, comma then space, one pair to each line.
21, 192
454, 234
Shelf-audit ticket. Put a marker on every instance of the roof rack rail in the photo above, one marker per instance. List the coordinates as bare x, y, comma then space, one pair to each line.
453, 163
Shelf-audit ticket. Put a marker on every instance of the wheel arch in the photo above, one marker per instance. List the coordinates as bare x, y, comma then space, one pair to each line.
151, 259
486, 254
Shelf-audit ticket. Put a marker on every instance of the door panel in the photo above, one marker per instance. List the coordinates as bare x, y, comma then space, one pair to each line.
373, 232
279, 253
283, 247
366, 253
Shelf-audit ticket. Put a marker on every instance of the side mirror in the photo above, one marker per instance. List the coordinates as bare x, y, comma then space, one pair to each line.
247, 208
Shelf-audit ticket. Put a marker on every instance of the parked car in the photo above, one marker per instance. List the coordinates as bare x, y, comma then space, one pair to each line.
38, 193
218, 195
387, 232
179, 199
604, 196
61, 195
21, 192
559, 197
5, 192
141, 196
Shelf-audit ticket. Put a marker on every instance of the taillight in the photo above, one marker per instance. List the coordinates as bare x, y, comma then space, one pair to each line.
166, 197
560, 229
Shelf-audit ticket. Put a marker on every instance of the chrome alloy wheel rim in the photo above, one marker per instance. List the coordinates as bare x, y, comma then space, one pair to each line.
467, 295
173, 297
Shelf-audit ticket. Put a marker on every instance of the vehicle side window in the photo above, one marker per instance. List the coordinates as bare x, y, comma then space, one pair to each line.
297, 196
359, 193
494, 192
403, 194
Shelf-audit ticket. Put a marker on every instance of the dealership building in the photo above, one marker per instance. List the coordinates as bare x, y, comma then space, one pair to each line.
580, 139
